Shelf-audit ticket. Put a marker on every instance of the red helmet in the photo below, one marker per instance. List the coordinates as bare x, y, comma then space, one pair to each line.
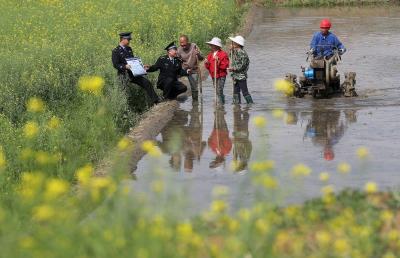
329, 154
325, 24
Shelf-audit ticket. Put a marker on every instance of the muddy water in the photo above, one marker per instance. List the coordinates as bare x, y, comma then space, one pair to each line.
200, 143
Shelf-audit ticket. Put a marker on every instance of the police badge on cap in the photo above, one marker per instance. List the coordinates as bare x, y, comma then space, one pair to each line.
125, 35
171, 46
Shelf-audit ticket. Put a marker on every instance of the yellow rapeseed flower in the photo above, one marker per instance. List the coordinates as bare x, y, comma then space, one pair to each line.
301, 170
371, 187
43, 212
31, 129
35, 105
91, 84
278, 113
150, 147
324, 176
341, 246
259, 121
284, 86
261, 166
327, 190
386, 215
124, 144
344, 167
323, 238
184, 230
262, 226
55, 188
53, 123
3, 161
268, 182
218, 206
84, 174
362, 152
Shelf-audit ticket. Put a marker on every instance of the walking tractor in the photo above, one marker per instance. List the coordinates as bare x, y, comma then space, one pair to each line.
322, 79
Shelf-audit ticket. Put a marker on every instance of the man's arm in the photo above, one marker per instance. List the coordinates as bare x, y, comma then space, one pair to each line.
155, 66
313, 43
340, 46
224, 62
120, 66
200, 57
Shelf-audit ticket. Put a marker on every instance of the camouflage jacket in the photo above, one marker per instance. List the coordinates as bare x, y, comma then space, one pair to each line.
240, 64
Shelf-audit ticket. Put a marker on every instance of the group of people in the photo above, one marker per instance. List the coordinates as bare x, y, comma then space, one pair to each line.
185, 60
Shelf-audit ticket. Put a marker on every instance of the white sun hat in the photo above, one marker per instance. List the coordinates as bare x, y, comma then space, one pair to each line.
215, 41
238, 39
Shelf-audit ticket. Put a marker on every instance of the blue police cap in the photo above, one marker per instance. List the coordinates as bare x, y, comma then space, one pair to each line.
171, 46
125, 35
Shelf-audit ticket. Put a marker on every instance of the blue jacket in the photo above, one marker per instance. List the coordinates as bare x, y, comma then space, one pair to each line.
324, 45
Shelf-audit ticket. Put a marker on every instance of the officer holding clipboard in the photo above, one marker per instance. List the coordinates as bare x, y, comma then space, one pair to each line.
130, 68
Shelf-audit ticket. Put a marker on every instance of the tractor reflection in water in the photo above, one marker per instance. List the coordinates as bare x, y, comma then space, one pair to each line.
326, 128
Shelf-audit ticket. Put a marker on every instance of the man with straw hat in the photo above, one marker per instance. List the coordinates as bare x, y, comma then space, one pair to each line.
216, 63
239, 66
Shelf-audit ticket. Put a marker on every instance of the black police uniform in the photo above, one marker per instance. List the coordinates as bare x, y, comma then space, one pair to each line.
170, 70
119, 56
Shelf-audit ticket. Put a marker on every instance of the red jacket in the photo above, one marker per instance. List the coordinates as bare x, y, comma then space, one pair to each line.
222, 64
219, 142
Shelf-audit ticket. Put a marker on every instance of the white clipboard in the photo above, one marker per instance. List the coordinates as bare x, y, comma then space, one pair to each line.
136, 65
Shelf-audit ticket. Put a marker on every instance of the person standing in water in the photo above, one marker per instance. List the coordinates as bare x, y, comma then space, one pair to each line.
239, 66
217, 63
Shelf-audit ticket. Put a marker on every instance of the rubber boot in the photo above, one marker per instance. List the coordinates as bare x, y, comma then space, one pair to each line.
236, 99
195, 96
248, 99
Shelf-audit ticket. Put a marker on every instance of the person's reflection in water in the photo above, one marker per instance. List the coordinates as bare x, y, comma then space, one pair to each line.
326, 129
173, 138
219, 140
242, 146
193, 143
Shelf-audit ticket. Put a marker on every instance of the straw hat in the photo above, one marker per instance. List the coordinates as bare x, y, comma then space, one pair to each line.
215, 41
238, 39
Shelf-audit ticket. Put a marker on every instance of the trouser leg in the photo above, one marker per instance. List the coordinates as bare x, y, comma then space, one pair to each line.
174, 89
193, 81
236, 93
220, 90
242, 84
145, 84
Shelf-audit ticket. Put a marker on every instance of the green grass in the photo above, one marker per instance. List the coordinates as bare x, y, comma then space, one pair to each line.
47, 45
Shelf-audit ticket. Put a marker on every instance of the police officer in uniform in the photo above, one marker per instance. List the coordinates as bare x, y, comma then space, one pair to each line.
170, 67
119, 56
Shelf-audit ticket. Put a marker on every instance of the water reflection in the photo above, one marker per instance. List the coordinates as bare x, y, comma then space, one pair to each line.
182, 139
242, 146
326, 127
219, 141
